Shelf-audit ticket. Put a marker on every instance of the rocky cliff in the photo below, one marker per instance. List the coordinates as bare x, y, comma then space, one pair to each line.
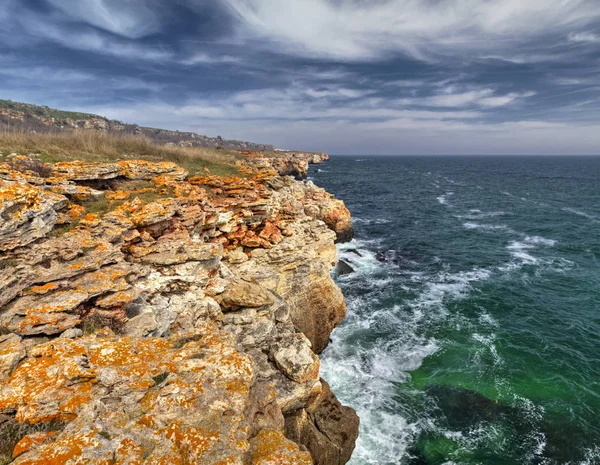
151, 317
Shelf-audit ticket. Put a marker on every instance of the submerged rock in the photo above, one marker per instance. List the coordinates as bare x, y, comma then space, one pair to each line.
342, 268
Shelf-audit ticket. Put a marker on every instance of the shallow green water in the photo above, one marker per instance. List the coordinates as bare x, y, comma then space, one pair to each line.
473, 334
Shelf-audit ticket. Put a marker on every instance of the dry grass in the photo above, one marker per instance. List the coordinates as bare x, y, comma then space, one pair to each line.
90, 145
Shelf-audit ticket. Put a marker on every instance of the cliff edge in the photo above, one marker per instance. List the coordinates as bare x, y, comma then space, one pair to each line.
147, 316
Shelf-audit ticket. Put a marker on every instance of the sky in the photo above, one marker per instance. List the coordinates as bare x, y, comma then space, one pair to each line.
343, 76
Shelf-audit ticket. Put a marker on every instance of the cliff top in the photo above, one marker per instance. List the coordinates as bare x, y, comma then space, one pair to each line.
28, 117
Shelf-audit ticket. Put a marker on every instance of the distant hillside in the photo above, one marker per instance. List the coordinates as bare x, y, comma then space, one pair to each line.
28, 117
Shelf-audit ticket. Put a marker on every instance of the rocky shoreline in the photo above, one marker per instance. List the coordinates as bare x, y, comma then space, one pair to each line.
151, 317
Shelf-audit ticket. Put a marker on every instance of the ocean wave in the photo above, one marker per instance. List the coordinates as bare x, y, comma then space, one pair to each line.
581, 213
478, 215
592, 456
485, 227
443, 199
365, 374
538, 240
371, 220
521, 252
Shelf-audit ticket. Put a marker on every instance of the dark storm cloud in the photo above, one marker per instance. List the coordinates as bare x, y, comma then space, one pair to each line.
395, 76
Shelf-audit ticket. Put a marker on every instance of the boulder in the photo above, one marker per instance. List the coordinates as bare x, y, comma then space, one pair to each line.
246, 294
325, 427
86, 171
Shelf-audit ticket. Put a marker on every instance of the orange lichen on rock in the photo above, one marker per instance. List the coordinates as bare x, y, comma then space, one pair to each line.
86, 170
41, 290
30, 441
143, 169
211, 352
118, 195
194, 396
90, 220
79, 448
270, 447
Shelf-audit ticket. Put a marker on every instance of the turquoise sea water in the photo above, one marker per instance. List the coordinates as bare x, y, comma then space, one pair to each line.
473, 328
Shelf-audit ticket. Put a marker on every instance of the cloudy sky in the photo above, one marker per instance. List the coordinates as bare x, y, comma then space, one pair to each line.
343, 76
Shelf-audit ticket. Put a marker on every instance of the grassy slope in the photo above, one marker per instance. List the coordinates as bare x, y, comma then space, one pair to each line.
95, 146
44, 111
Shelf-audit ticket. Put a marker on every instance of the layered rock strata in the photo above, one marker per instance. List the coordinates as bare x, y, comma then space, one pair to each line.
156, 318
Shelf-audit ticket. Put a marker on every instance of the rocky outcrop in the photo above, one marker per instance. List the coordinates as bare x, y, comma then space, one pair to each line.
326, 427
286, 163
181, 326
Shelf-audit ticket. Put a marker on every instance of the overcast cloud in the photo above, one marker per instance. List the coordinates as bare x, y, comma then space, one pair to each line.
344, 76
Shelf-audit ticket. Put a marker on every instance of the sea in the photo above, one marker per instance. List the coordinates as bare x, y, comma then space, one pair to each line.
473, 326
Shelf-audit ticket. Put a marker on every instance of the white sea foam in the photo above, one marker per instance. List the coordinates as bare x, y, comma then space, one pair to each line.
486, 319
488, 343
478, 215
521, 251
581, 213
371, 220
365, 374
592, 456
443, 199
538, 240
485, 227
518, 251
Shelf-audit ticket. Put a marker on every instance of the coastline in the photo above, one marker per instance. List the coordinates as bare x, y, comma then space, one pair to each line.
191, 319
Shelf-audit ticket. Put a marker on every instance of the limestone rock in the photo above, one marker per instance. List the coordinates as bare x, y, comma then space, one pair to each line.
86, 171
12, 351
142, 169
271, 447
219, 305
27, 213
245, 294
295, 359
327, 429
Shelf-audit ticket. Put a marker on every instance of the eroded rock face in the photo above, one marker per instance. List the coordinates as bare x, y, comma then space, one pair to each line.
327, 428
26, 212
180, 330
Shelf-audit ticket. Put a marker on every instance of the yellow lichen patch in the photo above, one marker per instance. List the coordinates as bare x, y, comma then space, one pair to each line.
192, 441
181, 401
30, 441
83, 170
90, 220
271, 447
118, 195
23, 196
49, 371
75, 449
41, 290
118, 299
129, 452
154, 212
143, 169
75, 211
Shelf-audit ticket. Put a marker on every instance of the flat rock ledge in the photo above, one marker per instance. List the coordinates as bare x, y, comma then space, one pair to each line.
150, 317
